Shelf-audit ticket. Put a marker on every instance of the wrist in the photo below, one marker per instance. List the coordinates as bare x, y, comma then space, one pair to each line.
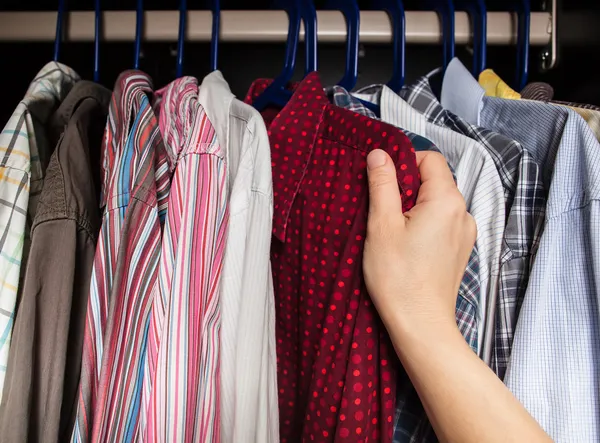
414, 333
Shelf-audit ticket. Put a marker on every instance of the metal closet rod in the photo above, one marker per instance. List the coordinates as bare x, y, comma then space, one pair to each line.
422, 27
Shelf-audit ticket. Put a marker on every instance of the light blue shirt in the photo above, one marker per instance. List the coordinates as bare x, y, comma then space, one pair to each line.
554, 368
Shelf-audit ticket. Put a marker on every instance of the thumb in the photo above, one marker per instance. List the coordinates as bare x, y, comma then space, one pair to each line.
384, 193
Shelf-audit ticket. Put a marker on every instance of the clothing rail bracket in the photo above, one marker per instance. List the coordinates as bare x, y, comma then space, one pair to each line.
549, 55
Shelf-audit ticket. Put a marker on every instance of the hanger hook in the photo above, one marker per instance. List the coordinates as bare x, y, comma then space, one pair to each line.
97, 24
395, 10
445, 10
139, 22
59, 28
524, 17
309, 17
352, 15
181, 39
478, 16
276, 92
215, 6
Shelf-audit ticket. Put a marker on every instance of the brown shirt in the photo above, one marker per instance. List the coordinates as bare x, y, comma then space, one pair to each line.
39, 399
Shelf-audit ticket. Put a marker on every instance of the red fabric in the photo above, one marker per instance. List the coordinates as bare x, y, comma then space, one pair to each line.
336, 366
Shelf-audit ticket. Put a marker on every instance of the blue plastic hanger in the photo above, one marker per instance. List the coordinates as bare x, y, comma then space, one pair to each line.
97, 17
309, 17
395, 9
523, 8
59, 29
276, 93
139, 19
478, 16
215, 7
352, 15
445, 9
181, 38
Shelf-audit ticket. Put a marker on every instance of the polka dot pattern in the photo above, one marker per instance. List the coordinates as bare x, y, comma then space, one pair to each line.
336, 366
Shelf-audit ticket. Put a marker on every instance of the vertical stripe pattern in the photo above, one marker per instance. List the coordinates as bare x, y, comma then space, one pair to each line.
125, 274
248, 388
183, 397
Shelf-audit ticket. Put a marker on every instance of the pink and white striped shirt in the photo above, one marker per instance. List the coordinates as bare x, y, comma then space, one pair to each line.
182, 394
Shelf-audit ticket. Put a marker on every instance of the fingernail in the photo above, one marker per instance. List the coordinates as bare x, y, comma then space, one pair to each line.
376, 159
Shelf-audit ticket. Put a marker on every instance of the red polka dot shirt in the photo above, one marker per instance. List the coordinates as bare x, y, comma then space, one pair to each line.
337, 370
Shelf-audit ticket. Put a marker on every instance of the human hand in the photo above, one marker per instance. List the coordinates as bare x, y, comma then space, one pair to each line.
414, 262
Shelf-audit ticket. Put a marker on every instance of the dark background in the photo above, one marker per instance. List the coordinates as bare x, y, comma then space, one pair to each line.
575, 78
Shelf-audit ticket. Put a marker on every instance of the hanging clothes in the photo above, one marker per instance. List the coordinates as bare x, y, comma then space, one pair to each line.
336, 367
525, 199
412, 423
538, 91
555, 350
125, 275
249, 411
478, 181
544, 92
45, 357
26, 150
467, 303
184, 346
494, 86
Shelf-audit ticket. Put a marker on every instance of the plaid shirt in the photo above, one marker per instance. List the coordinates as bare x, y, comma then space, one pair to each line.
26, 151
411, 422
525, 209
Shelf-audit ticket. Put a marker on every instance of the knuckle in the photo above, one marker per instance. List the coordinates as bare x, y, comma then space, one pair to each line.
470, 227
454, 204
437, 157
459, 202
380, 179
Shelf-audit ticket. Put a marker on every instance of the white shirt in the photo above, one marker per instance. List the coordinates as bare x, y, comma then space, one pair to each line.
249, 409
479, 182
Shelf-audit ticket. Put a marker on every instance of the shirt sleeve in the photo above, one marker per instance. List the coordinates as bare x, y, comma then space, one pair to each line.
39, 400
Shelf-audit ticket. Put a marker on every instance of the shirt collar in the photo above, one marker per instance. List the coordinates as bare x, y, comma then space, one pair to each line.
307, 104
82, 90
342, 98
131, 88
371, 93
54, 81
421, 97
396, 111
178, 112
461, 93
216, 98
496, 87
